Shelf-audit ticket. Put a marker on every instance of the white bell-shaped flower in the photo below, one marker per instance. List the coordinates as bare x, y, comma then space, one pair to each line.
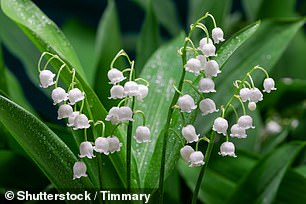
204, 41
203, 61
252, 106
81, 122
189, 133
46, 78
79, 170
102, 145
125, 114
115, 76
114, 144
208, 50
217, 35
255, 95
220, 125
113, 115
207, 106
245, 122
269, 85
193, 65
273, 127
117, 92
244, 94
86, 150
64, 111
75, 95
131, 88
142, 134
196, 159
186, 103
71, 118
143, 92
212, 69
206, 85
227, 149
237, 131
58, 95
186, 152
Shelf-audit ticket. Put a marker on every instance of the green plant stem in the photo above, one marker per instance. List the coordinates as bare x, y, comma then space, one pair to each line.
211, 144
129, 150
169, 116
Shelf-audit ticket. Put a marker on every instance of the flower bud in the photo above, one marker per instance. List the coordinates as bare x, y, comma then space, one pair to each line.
212, 69
125, 114
252, 106
220, 125
217, 35
227, 149
206, 85
237, 131
71, 118
193, 65
269, 85
189, 133
46, 78
114, 144
75, 95
113, 115
117, 92
196, 159
86, 150
208, 50
79, 170
186, 103
142, 134
131, 88
244, 94
102, 145
58, 95
81, 122
186, 152
245, 122
255, 95
143, 92
207, 106
115, 76
64, 111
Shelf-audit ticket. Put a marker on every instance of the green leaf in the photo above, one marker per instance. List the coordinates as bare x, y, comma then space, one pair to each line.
262, 182
251, 8
263, 49
161, 71
3, 83
148, 40
36, 24
51, 155
46, 36
108, 44
273, 9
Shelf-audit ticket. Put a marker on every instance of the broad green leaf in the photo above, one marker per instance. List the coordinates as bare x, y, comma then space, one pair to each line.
292, 188
108, 44
35, 23
263, 49
149, 38
273, 9
166, 14
82, 38
251, 8
18, 172
46, 36
161, 71
51, 155
3, 83
262, 182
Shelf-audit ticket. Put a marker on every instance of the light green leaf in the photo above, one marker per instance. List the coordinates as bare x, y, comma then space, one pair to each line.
108, 44
52, 156
251, 8
262, 182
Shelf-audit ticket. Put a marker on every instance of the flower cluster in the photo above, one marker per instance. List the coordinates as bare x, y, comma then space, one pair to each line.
201, 64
